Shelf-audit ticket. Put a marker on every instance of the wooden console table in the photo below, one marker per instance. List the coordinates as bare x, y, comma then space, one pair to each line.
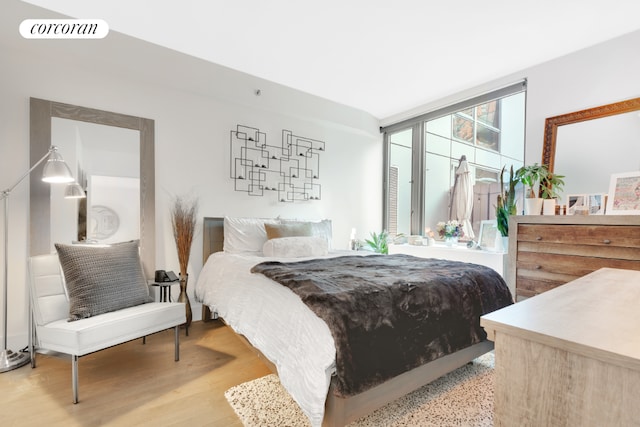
570, 356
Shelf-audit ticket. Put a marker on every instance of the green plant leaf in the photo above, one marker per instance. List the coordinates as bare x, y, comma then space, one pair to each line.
379, 242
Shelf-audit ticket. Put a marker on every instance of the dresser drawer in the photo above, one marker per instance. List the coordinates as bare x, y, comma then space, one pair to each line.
591, 235
537, 272
548, 251
571, 265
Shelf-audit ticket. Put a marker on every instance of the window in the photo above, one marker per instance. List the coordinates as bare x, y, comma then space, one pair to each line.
423, 153
479, 125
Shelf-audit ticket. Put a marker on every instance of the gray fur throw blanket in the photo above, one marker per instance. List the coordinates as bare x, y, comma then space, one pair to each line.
391, 313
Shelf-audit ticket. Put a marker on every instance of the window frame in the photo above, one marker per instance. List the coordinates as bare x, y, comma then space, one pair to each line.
418, 149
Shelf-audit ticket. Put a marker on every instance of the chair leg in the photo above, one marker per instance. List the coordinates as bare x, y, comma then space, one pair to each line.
32, 337
177, 343
74, 377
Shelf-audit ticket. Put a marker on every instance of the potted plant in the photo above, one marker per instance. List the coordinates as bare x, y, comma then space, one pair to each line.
450, 231
183, 221
550, 187
531, 176
506, 205
379, 242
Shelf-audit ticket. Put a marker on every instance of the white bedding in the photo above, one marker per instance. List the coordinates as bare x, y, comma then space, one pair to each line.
276, 322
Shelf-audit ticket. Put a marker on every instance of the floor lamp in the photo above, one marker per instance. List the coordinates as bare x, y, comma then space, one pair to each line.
55, 170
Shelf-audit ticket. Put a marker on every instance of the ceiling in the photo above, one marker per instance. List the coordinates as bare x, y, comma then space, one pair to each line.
381, 56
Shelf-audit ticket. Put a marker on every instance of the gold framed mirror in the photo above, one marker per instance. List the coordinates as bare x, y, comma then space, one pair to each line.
552, 124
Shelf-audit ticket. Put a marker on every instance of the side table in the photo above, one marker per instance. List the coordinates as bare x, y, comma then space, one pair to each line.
165, 290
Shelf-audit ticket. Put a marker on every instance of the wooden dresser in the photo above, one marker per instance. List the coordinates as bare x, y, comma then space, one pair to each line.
548, 251
571, 356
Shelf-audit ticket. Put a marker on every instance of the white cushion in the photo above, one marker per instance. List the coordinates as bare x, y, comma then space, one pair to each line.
48, 296
243, 235
105, 330
321, 228
296, 247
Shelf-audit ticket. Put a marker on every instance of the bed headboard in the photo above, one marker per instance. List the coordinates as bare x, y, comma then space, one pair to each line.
212, 236
212, 241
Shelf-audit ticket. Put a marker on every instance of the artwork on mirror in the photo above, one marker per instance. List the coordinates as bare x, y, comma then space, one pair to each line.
114, 211
577, 204
597, 203
488, 234
105, 222
624, 194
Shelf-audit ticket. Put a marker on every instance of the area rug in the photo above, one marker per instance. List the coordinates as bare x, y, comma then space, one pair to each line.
463, 397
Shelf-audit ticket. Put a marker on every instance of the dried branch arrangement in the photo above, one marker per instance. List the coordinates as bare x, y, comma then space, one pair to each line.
183, 219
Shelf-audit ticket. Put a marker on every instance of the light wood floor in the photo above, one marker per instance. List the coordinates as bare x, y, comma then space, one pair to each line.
134, 384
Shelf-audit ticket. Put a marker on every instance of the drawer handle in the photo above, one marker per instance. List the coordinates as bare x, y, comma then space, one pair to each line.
538, 267
606, 241
538, 237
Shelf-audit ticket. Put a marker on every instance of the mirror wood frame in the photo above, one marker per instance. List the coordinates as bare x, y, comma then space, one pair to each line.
551, 124
41, 113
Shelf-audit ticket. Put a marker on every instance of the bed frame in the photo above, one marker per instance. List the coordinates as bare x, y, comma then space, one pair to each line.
341, 411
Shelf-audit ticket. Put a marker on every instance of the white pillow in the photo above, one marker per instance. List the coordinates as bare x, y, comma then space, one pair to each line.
318, 228
245, 234
296, 247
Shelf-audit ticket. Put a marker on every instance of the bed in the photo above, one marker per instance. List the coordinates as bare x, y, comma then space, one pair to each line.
292, 336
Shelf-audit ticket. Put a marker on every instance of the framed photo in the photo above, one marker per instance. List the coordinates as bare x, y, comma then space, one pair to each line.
624, 194
488, 233
576, 204
597, 203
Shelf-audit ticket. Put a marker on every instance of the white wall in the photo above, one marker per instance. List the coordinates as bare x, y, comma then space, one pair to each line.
195, 105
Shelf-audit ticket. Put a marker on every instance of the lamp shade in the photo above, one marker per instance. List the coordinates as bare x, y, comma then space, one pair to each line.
56, 170
74, 191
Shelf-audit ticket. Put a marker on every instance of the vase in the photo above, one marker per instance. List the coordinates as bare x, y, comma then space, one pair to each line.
532, 206
549, 207
501, 243
450, 241
184, 298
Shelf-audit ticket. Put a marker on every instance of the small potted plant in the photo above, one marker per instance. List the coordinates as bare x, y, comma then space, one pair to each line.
379, 242
531, 176
450, 231
550, 187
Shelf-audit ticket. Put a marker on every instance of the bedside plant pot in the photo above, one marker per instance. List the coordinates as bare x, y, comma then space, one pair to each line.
501, 243
532, 206
549, 207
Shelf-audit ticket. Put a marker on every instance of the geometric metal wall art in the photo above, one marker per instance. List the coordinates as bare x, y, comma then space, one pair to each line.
290, 170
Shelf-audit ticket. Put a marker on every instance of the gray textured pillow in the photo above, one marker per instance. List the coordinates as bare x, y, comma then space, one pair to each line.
101, 279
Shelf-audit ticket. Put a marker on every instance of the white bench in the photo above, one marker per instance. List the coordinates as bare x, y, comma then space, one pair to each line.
50, 329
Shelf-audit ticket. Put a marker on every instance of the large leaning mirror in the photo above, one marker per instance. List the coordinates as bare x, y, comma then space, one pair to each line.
588, 146
112, 157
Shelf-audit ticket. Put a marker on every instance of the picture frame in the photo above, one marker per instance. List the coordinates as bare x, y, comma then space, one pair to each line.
488, 233
597, 203
576, 204
624, 194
